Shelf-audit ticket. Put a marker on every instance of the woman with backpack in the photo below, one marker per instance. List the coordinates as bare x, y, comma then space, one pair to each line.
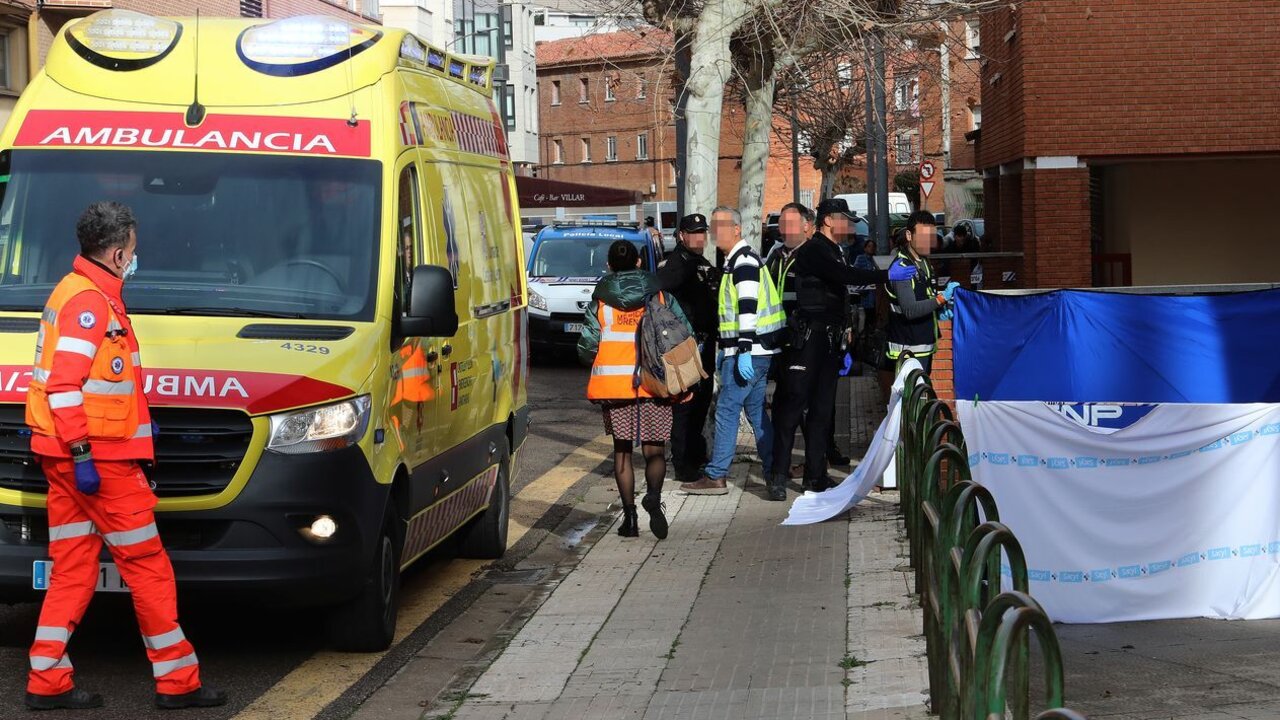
631, 413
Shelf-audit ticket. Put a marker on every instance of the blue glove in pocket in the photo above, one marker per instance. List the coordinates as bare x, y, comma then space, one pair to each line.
746, 369
87, 479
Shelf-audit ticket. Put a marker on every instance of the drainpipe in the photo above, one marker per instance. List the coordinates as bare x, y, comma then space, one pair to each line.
33, 42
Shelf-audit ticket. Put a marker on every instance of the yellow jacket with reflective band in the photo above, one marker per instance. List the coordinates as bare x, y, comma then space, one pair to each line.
771, 319
918, 336
109, 392
614, 370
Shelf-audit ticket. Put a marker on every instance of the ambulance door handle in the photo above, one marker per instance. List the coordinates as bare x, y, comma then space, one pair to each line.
432, 355
447, 350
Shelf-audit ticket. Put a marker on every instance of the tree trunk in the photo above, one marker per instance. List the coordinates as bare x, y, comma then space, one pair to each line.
755, 149
708, 73
830, 172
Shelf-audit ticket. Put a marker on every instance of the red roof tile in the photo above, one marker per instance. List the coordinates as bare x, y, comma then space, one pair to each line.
614, 46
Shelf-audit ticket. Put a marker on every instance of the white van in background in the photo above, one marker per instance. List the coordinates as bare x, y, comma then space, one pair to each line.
898, 203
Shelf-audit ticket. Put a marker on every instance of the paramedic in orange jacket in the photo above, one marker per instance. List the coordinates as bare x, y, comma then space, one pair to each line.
91, 429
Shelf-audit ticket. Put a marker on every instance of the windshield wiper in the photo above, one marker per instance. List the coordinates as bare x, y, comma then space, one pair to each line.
228, 312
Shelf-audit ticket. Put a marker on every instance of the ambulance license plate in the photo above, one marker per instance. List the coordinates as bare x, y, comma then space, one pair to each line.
108, 576
573, 328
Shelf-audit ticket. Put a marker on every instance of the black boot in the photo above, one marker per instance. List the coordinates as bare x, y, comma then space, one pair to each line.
630, 526
205, 697
73, 699
652, 503
778, 488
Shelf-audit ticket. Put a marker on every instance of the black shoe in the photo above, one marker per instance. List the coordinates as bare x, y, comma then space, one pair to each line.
818, 486
205, 697
73, 699
778, 489
835, 458
630, 526
652, 503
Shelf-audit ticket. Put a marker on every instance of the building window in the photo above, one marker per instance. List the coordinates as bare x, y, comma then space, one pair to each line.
915, 97
580, 21
555, 92
671, 173
642, 146
642, 87
844, 71
975, 117
369, 8
972, 38
508, 31
586, 150
509, 107
609, 84
904, 149
557, 151
583, 90
611, 148
540, 18
6, 79
901, 92
251, 8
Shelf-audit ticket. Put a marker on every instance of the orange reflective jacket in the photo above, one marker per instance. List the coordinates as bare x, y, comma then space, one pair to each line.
613, 373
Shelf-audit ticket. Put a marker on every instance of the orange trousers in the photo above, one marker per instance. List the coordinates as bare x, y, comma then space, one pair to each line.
122, 515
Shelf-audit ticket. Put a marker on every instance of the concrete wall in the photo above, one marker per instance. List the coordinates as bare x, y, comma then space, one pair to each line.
1188, 222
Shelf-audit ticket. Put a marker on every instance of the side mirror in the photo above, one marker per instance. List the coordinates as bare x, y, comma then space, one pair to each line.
431, 311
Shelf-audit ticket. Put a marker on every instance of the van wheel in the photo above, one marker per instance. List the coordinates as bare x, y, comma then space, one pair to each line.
485, 537
368, 622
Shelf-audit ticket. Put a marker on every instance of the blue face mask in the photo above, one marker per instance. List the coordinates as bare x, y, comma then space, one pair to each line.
133, 267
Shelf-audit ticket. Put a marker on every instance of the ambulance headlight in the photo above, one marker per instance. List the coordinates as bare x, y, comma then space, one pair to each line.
536, 301
320, 429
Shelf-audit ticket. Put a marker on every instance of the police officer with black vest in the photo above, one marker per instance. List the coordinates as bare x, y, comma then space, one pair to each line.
818, 323
915, 303
687, 275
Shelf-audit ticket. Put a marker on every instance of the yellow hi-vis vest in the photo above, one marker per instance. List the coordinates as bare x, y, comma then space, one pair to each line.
771, 319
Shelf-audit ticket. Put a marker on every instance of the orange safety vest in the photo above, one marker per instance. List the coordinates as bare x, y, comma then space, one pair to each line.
110, 393
414, 384
614, 370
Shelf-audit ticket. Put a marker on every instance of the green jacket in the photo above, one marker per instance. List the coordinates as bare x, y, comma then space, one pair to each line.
624, 290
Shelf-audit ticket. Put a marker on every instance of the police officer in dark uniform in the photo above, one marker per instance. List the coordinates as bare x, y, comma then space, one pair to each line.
812, 368
687, 275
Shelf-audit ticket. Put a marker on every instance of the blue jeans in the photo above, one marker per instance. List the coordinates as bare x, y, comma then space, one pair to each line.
734, 398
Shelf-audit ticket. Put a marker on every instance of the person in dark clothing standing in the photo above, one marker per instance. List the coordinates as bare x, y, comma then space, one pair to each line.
915, 302
688, 276
813, 367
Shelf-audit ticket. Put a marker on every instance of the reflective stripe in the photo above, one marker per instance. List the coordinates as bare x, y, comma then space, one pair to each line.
39, 663
77, 346
161, 669
106, 387
137, 359
71, 530
131, 537
50, 316
613, 370
896, 350
608, 313
416, 372
53, 634
163, 640
39, 374
61, 400
114, 326
143, 431
617, 336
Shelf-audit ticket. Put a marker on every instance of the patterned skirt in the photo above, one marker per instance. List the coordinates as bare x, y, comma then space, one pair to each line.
653, 418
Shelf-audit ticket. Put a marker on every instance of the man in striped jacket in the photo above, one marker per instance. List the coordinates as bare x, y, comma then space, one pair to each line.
743, 365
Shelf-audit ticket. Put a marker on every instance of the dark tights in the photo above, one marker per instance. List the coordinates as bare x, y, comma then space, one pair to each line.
655, 468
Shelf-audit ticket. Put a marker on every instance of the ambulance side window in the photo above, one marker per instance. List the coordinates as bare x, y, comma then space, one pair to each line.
409, 225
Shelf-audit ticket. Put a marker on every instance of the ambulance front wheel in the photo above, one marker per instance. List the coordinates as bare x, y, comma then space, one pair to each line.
368, 622
485, 537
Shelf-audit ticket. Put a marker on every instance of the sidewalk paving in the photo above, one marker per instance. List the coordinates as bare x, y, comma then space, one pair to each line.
733, 616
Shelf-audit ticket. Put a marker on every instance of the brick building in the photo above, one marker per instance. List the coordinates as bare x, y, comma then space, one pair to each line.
606, 118
1132, 142
27, 29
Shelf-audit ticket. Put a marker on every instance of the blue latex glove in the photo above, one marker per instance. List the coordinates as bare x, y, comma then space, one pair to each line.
950, 292
746, 369
901, 271
87, 478
947, 314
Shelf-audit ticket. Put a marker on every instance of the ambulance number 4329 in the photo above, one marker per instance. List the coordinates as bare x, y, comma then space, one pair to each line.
300, 347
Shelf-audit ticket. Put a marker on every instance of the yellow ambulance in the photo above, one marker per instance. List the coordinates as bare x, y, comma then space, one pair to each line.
330, 298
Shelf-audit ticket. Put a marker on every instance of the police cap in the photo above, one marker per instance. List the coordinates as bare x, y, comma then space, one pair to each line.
695, 223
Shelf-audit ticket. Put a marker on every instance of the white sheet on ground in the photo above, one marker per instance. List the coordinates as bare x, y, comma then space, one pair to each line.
815, 507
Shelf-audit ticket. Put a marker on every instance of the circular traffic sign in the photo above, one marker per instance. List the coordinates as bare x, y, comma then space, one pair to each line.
926, 170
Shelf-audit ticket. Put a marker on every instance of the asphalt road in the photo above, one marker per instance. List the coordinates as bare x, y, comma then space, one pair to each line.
250, 652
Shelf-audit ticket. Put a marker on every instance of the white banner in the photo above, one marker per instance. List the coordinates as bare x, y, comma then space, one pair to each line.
1175, 514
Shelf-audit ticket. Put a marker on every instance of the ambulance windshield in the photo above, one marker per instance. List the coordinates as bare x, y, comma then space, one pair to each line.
218, 233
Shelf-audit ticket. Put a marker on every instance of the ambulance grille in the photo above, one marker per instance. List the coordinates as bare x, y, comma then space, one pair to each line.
198, 451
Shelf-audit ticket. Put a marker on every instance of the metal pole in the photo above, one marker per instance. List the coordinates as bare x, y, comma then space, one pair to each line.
882, 145
684, 66
872, 165
795, 157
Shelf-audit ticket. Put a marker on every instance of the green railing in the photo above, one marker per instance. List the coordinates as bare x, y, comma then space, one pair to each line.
978, 638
